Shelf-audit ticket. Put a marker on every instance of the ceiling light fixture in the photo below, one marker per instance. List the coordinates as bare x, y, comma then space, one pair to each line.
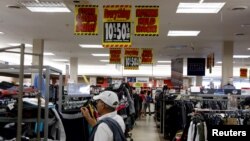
100, 55
241, 56
182, 33
219, 62
60, 60
48, 53
104, 60
90, 46
1, 33
163, 61
199, 7
46, 6
18, 44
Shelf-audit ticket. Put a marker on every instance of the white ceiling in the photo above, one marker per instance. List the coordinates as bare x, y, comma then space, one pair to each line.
57, 30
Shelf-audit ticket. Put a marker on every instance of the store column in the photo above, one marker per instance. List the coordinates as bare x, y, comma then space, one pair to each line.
198, 80
74, 69
38, 48
227, 62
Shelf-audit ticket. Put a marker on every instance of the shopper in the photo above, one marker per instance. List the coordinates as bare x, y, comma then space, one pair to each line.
149, 100
142, 102
109, 126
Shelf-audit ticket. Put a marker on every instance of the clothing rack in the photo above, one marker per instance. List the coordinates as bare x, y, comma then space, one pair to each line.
33, 69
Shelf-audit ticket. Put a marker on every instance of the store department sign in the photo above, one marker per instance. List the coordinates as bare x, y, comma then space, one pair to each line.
117, 26
115, 56
86, 20
196, 66
142, 79
177, 72
147, 56
147, 21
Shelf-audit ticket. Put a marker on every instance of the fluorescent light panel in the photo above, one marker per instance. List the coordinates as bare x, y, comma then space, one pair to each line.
61, 60
241, 56
248, 49
182, 33
90, 46
18, 44
100, 55
48, 53
104, 60
199, 7
1, 33
163, 61
46, 6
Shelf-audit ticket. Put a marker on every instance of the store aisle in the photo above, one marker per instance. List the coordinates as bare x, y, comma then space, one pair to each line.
145, 130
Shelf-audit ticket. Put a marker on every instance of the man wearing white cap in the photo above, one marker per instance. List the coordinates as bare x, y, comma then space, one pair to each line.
107, 103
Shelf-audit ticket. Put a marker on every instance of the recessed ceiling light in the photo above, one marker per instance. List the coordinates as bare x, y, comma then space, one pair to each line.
199, 7
48, 53
163, 61
1, 33
61, 60
239, 8
182, 33
248, 48
104, 60
245, 25
46, 6
14, 6
100, 55
18, 44
90, 46
239, 34
241, 56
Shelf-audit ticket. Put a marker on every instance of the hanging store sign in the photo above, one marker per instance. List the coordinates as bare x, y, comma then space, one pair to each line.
131, 63
147, 21
86, 20
131, 52
243, 72
115, 56
117, 26
147, 56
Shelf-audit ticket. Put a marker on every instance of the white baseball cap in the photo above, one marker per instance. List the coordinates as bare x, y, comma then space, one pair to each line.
108, 97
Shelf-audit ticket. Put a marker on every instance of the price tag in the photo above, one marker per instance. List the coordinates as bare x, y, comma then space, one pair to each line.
11, 106
117, 32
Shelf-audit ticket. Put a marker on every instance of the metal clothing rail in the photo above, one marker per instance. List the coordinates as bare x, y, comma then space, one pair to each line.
21, 69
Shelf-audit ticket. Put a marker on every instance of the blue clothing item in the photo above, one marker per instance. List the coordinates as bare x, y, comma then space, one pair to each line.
36, 85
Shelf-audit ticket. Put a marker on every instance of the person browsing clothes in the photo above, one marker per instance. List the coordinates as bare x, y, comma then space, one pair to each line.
109, 126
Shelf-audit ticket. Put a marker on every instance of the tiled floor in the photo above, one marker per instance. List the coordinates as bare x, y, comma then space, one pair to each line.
146, 130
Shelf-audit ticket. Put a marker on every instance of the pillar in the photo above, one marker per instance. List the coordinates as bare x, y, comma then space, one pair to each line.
198, 80
38, 48
74, 69
227, 62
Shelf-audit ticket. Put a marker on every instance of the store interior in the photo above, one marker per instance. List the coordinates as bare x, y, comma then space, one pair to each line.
59, 66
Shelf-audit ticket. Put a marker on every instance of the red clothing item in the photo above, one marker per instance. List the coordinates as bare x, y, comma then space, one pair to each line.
142, 96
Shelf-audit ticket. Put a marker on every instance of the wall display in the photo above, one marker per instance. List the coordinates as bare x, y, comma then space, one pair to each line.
92, 80
86, 20
177, 72
115, 56
196, 66
147, 20
117, 26
146, 56
243, 72
142, 79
